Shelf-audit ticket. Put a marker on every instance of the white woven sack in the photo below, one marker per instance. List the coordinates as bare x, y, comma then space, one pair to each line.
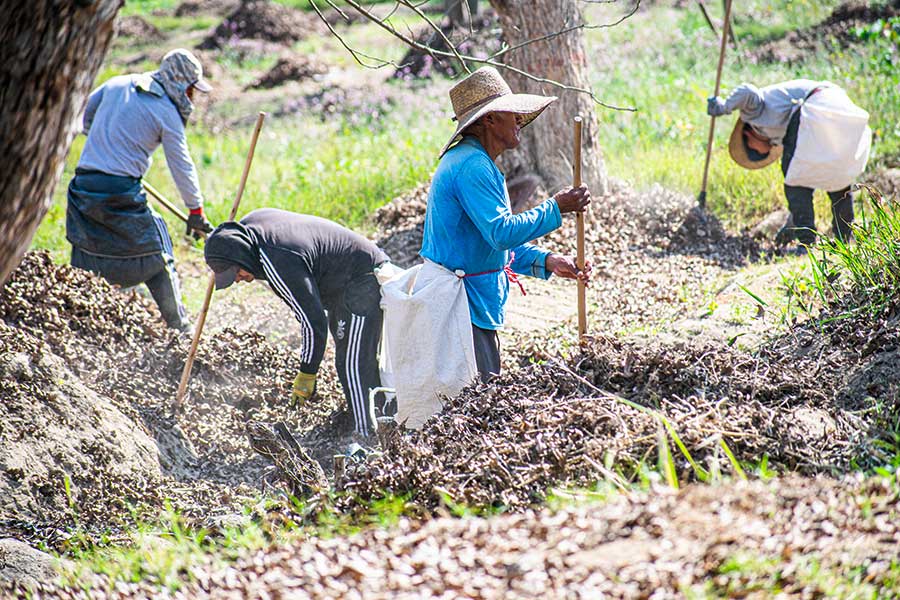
833, 142
427, 345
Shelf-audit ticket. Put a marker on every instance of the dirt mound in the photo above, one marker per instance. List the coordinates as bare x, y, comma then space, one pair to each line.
483, 39
797, 536
136, 27
192, 8
290, 68
266, 21
122, 363
63, 442
838, 27
400, 225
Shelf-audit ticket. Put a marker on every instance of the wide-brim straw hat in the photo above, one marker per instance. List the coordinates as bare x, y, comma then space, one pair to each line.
485, 91
737, 147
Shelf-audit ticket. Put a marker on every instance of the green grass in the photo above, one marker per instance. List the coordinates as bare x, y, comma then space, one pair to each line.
862, 274
744, 574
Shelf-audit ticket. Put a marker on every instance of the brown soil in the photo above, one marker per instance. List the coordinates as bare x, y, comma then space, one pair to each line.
72, 341
140, 30
838, 27
290, 68
796, 402
816, 401
263, 20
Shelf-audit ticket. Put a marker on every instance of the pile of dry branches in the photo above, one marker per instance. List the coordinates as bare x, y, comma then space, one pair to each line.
612, 408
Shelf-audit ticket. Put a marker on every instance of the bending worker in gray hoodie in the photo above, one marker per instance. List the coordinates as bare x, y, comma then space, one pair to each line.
325, 273
767, 129
112, 230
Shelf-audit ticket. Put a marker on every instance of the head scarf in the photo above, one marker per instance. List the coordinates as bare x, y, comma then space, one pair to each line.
178, 71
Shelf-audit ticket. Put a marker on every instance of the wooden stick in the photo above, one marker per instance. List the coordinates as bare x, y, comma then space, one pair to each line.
701, 199
201, 320
162, 200
579, 223
707, 18
715, 30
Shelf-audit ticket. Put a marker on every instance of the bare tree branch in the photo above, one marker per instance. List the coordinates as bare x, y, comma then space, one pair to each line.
384, 24
439, 31
356, 54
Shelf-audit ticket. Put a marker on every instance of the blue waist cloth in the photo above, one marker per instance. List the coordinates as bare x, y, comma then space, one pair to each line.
108, 215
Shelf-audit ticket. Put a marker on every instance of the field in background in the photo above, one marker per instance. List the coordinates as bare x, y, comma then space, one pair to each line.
661, 61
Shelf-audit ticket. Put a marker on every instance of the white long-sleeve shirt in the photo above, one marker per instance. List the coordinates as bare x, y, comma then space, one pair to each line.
125, 125
768, 110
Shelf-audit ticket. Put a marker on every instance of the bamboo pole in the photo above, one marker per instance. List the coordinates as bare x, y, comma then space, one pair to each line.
701, 199
579, 224
201, 320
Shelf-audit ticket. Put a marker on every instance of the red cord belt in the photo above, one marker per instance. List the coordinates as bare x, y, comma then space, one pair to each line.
511, 275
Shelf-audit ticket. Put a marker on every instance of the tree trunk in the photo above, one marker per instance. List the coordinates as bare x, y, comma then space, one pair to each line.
52, 50
546, 147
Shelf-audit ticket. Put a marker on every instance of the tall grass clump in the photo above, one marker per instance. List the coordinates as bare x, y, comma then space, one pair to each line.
862, 274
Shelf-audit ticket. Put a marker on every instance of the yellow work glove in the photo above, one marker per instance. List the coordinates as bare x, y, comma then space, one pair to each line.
304, 387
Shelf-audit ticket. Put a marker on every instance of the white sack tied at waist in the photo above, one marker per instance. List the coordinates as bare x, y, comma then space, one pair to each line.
833, 142
427, 347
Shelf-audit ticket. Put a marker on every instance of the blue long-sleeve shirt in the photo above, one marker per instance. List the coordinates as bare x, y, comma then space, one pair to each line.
125, 125
469, 226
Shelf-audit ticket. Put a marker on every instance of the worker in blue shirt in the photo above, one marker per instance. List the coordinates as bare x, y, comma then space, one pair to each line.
469, 226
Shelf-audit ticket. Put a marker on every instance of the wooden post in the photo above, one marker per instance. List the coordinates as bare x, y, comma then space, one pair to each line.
579, 224
162, 200
201, 320
701, 199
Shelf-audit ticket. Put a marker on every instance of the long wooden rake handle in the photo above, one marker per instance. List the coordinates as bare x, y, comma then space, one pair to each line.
201, 320
579, 225
156, 195
701, 199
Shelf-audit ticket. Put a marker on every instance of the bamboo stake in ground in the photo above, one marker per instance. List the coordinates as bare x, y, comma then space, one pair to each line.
579, 224
201, 320
701, 199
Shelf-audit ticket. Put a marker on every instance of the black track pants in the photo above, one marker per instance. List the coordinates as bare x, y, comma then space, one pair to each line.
800, 199
355, 324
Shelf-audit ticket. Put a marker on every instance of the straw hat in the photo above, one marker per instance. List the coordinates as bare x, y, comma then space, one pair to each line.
485, 91
747, 157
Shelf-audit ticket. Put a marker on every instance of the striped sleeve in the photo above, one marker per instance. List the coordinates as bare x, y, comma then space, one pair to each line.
294, 284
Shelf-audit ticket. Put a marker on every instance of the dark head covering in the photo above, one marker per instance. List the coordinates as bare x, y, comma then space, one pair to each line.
229, 247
